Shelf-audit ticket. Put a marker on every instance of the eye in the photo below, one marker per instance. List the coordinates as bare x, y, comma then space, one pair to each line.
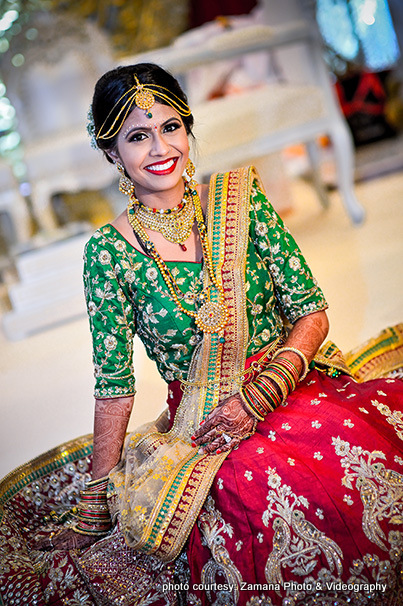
172, 126
137, 137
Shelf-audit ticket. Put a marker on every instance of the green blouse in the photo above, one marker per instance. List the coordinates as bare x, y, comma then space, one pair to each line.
126, 294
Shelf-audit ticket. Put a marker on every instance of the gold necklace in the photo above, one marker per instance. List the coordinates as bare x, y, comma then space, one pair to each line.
174, 224
212, 315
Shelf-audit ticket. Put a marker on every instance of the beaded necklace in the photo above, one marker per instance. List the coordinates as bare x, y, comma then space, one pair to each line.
212, 315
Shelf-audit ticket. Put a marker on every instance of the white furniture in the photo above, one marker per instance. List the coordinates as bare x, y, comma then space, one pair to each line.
52, 93
232, 129
49, 289
12, 204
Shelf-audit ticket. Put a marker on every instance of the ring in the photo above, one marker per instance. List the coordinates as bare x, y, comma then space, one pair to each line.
226, 438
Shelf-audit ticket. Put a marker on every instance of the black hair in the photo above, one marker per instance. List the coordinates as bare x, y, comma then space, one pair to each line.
107, 102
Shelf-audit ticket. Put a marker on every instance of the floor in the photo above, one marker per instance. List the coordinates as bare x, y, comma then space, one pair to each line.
46, 380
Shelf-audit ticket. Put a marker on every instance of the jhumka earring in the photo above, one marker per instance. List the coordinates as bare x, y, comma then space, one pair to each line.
189, 171
125, 185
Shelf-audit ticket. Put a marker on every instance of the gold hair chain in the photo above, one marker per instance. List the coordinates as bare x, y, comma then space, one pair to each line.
143, 97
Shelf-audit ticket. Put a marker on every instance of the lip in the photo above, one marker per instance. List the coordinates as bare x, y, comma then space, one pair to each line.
165, 167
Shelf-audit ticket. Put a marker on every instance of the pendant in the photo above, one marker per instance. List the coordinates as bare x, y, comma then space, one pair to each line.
212, 317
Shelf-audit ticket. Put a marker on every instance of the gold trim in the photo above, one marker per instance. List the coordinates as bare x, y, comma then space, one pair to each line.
378, 356
331, 357
45, 463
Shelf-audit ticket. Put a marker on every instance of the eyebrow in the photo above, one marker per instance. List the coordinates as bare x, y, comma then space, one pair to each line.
136, 127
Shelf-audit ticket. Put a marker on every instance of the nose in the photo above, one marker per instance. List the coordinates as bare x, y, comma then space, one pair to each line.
159, 145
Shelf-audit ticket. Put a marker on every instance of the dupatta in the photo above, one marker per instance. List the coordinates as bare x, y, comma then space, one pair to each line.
161, 482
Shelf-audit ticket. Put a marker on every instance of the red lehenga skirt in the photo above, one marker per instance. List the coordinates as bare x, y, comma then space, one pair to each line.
307, 511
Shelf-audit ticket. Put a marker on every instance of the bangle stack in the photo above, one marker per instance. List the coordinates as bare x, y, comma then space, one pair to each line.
271, 388
92, 511
302, 357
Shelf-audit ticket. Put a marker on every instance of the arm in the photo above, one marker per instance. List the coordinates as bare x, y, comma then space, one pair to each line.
112, 327
110, 425
307, 335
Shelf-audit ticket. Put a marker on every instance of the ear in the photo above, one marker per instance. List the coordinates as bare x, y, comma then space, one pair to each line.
114, 156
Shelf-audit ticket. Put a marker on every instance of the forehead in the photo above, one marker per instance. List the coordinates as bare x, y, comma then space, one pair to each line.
160, 113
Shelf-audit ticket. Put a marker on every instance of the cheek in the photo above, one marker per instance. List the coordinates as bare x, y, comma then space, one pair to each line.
132, 157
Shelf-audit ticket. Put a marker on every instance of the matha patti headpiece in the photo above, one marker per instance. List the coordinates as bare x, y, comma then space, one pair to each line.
143, 96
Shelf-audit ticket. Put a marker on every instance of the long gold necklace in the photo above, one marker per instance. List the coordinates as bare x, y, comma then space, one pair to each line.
212, 315
174, 224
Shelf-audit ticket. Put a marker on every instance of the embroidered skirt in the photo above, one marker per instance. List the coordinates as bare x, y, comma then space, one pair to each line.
307, 511
310, 509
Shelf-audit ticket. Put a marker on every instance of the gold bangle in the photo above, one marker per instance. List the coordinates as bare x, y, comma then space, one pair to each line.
301, 355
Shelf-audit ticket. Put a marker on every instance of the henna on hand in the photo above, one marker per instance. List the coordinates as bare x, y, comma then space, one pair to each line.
225, 427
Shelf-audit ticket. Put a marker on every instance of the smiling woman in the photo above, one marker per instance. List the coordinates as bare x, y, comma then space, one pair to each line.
273, 476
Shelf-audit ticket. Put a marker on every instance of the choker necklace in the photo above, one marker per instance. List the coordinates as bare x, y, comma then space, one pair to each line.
175, 224
212, 315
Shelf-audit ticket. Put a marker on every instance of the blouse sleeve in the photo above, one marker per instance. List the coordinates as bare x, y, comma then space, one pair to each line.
111, 319
296, 289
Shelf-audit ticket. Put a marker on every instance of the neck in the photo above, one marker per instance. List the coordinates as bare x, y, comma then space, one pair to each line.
165, 199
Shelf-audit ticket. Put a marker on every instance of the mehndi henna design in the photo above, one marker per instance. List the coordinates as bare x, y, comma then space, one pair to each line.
228, 420
110, 425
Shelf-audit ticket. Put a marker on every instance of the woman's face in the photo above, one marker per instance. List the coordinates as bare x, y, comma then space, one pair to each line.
154, 151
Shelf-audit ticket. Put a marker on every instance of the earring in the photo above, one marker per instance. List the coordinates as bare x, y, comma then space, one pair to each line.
125, 185
189, 171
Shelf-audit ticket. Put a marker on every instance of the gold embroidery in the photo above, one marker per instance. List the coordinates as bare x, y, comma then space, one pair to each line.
296, 540
394, 418
381, 489
172, 504
213, 526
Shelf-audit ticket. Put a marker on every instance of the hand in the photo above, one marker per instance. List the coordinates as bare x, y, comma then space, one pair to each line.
225, 427
64, 540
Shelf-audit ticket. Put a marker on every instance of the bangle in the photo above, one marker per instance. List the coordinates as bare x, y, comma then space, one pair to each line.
261, 397
93, 516
98, 485
291, 369
267, 386
249, 405
301, 355
278, 371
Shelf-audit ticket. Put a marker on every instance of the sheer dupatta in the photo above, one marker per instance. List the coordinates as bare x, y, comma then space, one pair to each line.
161, 482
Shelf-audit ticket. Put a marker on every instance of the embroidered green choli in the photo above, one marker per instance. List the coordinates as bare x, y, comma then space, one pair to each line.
126, 295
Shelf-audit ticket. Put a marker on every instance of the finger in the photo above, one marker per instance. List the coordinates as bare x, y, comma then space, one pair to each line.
229, 445
209, 423
212, 421
211, 447
43, 548
207, 437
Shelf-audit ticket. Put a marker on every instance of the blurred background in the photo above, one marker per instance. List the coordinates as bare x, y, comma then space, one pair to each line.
310, 91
